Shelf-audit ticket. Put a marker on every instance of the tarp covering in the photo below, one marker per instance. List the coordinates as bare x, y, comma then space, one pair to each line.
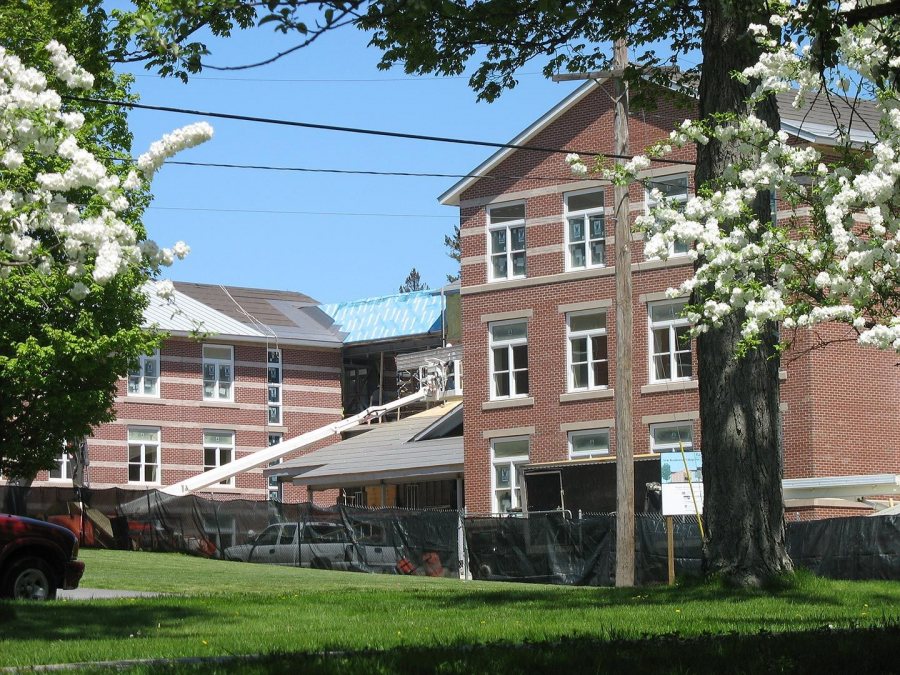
542, 548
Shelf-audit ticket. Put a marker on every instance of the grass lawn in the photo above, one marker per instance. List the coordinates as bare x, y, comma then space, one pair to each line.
218, 608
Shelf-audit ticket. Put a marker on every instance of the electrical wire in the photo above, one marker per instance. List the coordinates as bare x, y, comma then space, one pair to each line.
355, 130
302, 213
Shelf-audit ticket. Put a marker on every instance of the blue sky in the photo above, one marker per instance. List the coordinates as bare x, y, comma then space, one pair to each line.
293, 230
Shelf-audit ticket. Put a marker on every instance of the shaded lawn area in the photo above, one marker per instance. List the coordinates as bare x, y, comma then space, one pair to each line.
223, 608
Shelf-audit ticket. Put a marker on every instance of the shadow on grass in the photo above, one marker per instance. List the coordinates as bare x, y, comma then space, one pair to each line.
823, 651
75, 621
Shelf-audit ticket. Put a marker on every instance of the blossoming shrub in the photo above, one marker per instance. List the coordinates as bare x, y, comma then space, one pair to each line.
839, 258
59, 204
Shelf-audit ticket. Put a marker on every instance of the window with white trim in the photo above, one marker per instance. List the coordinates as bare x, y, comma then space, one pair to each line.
585, 230
143, 455
587, 355
670, 342
588, 443
273, 379
143, 379
506, 241
218, 373
509, 359
454, 385
508, 459
275, 487
64, 466
218, 450
672, 436
675, 191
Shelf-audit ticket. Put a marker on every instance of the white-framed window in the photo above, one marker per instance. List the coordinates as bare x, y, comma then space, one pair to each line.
585, 230
670, 342
143, 455
509, 358
273, 380
411, 496
64, 466
454, 385
588, 443
143, 379
218, 373
275, 488
218, 450
675, 191
672, 436
508, 458
587, 350
506, 241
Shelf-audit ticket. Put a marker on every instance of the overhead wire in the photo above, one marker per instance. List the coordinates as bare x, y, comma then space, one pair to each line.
356, 130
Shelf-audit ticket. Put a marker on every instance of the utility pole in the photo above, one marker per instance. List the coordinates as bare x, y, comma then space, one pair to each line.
624, 323
624, 334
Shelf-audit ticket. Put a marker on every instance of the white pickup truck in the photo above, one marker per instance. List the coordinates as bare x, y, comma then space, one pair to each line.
321, 545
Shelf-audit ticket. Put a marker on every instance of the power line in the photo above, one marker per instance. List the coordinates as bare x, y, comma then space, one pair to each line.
303, 213
368, 172
355, 130
314, 80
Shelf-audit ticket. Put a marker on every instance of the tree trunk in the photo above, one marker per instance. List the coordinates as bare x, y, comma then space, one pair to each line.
739, 397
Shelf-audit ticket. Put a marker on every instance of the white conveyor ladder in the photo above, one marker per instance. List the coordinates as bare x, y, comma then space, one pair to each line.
266, 455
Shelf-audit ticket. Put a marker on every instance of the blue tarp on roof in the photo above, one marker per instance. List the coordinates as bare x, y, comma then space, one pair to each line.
390, 316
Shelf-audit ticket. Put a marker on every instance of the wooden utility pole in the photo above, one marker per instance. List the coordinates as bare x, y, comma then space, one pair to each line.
624, 322
624, 333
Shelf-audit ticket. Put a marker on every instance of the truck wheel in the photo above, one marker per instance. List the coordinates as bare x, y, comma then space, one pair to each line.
30, 578
320, 564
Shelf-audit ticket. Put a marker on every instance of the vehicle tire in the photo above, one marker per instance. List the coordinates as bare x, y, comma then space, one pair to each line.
320, 564
30, 578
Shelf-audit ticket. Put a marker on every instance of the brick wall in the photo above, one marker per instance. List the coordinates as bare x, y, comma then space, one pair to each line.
311, 398
840, 401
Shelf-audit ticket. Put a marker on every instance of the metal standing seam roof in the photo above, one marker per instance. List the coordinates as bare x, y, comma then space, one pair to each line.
390, 316
222, 311
386, 451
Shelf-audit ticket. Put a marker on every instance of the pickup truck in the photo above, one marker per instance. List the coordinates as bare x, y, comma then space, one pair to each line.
321, 545
36, 559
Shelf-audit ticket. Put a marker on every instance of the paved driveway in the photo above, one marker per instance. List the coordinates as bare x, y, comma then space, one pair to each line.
102, 594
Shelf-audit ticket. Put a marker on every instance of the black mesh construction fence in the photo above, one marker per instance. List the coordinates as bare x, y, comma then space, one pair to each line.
545, 548
343, 538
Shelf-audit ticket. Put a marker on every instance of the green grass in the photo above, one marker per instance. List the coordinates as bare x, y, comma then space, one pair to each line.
220, 608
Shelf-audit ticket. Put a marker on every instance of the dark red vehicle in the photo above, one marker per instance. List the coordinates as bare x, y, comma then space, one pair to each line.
36, 559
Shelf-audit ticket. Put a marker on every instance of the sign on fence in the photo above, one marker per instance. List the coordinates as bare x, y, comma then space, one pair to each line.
682, 483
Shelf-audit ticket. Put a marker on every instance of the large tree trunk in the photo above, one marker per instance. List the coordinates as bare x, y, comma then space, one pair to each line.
739, 397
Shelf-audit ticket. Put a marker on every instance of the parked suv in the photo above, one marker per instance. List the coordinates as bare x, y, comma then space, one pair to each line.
36, 559
322, 545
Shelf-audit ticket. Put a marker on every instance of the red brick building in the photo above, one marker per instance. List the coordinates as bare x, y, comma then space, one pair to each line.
268, 368
538, 317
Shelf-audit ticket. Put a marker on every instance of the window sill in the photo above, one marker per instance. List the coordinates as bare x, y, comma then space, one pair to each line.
508, 403
152, 400
661, 387
586, 395
218, 404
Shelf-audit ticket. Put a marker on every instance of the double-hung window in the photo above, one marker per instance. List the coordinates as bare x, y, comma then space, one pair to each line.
218, 450
588, 443
670, 342
218, 373
674, 189
64, 466
506, 241
508, 458
671, 437
143, 455
143, 379
585, 230
273, 377
509, 359
275, 491
587, 352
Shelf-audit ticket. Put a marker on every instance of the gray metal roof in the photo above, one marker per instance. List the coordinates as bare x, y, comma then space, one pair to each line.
182, 314
386, 452
260, 313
